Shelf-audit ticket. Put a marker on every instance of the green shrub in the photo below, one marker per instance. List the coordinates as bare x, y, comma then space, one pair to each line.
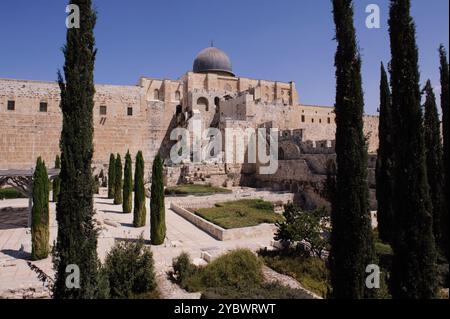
130, 272
238, 269
10, 193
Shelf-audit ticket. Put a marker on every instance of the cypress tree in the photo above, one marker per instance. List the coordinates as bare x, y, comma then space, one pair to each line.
111, 176
77, 236
444, 69
57, 180
128, 185
40, 233
433, 149
140, 211
352, 247
157, 208
118, 181
413, 267
385, 162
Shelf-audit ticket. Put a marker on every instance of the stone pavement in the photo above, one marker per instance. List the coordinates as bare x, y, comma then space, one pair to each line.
182, 236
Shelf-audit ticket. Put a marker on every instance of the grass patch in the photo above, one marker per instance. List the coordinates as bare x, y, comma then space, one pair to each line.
236, 275
311, 272
192, 189
10, 193
241, 213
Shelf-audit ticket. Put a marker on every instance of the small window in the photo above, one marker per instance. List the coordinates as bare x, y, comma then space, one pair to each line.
156, 94
329, 121
303, 119
130, 111
320, 121
312, 120
11, 105
203, 102
43, 107
103, 110
179, 109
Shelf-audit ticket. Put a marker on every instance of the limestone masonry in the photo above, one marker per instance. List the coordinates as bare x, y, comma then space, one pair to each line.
141, 117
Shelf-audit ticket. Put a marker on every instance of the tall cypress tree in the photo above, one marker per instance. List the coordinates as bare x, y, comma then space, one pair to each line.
77, 236
446, 133
40, 233
433, 149
413, 269
111, 176
385, 162
140, 211
157, 207
352, 247
118, 181
128, 185
57, 180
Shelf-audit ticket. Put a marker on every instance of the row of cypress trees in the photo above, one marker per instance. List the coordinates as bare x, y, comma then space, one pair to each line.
409, 166
123, 194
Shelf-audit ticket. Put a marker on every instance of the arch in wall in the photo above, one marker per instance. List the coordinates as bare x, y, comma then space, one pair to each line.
177, 96
203, 101
289, 150
217, 104
156, 94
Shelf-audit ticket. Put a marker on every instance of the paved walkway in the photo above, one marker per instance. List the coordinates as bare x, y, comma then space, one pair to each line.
15, 240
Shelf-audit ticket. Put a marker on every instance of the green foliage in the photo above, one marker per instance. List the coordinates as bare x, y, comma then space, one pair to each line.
311, 272
444, 70
241, 213
413, 270
238, 269
40, 232
385, 162
310, 227
111, 176
157, 207
192, 189
350, 214
130, 271
57, 181
128, 185
118, 181
10, 193
77, 236
140, 211
433, 151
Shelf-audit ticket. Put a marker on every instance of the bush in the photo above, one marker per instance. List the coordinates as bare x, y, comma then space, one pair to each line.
238, 269
130, 272
10, 193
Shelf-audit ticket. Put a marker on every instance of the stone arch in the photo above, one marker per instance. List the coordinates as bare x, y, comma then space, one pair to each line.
156, 94
177, 96
289, 150
203, 101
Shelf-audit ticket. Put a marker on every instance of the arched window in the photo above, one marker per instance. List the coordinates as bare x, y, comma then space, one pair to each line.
177, 96
280, 154
179, 109
217, 104
156, 94
203, 102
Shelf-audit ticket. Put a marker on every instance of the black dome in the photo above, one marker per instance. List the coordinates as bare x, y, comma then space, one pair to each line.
213, 60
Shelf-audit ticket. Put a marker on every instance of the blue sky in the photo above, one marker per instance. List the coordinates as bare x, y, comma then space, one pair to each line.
284, 40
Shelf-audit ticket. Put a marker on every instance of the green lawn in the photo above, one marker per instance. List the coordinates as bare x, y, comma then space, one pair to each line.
191, 189
241, 213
